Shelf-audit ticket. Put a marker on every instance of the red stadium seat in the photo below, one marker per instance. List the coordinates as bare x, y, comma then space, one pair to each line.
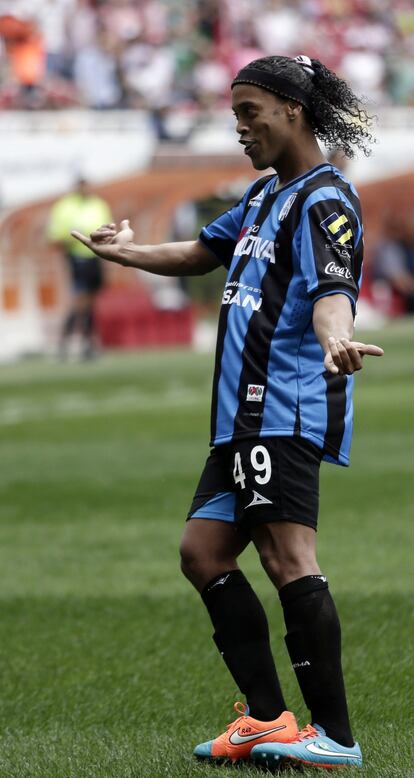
127, 318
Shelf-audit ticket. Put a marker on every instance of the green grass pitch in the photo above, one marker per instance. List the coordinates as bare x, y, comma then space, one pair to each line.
106, 660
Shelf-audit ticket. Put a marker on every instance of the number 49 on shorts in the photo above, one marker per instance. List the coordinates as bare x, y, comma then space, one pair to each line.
260, 462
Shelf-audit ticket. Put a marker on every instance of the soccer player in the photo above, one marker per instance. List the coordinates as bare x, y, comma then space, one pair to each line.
282, 399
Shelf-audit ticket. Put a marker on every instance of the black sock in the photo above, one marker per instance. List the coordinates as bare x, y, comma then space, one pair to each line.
314, 643
86, 322
242, 637
70, 323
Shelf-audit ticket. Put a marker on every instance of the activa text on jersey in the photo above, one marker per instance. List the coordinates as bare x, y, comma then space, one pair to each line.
254, 246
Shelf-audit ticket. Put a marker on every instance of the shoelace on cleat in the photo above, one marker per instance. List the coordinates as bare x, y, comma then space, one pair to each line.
239, 707
308, 731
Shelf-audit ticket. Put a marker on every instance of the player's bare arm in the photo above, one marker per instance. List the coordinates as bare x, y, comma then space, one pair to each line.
168, 259
334, 327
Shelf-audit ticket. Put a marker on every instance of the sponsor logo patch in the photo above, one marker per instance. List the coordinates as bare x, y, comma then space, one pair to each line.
241, 299
255, 393
252, 245
336, 270
338, 228
342, 253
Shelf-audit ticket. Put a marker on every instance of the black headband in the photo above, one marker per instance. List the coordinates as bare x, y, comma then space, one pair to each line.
277, 84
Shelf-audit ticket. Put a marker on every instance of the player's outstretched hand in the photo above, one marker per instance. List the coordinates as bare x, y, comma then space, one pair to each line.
345, 356
107, 242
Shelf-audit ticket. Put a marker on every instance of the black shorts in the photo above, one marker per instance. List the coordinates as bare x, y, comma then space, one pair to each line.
86, 273
258, 481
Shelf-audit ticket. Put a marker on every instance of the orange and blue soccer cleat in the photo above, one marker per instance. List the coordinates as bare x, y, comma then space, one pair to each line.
312, 747
241, 735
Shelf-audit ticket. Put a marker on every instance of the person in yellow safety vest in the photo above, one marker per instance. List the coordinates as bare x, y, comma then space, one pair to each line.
83, 210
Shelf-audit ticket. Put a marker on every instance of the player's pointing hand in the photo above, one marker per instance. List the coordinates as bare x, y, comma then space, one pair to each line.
107, 242
344, 356
104, 234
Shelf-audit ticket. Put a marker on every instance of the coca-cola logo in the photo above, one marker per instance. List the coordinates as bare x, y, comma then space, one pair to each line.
336, 270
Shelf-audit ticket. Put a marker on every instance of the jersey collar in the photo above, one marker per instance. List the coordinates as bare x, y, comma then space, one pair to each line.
294, 181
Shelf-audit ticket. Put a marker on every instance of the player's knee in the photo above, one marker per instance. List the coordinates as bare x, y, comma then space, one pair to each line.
271, 564
201, 563
193, 560
187, 558
287, 565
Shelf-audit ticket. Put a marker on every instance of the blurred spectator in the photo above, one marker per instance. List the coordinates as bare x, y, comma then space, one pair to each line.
211, 78
277, 27
148, 74
158, 53
95, 73
25, 55
365, 69
393, 263
401, 76
83, 27
83, 211
53, 19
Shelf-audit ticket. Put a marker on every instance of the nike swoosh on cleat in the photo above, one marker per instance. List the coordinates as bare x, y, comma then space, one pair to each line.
236, 739
315, 749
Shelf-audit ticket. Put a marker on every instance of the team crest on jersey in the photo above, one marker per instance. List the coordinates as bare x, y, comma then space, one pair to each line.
255, 393
287, 206
338, 229
257, 200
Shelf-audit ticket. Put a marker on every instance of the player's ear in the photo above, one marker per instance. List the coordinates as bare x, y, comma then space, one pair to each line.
293, 110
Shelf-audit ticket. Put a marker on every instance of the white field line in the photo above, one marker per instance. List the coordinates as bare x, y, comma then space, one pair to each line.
75, 404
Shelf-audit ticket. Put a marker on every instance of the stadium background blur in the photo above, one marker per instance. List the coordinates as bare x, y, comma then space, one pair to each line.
102, 640
134, 96
159, 54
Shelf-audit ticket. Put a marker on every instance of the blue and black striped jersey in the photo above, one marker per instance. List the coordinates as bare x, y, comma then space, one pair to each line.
284, 248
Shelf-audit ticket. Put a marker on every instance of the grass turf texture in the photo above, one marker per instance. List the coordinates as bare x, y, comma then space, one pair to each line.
107, 664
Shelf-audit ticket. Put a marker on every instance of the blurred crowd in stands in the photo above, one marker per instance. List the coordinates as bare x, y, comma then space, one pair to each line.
114, 54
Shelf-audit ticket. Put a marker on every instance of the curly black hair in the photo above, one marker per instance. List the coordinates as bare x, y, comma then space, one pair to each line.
335, 114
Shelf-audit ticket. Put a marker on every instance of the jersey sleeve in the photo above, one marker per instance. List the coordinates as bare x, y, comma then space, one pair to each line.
221, 235
330, 247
